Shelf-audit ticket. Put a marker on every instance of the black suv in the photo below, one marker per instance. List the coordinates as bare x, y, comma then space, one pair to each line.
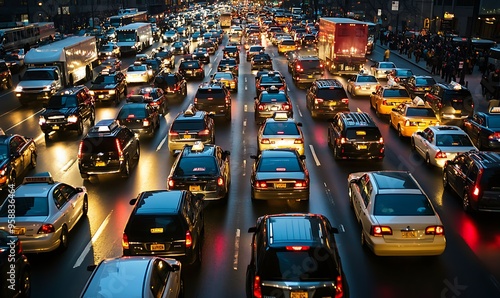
108, 148
192, 69
172, 83
202, 169
68, 109
452, 103
189, 127
354, 135
326, 97
475, 177
168, 223
109, 86
306, 69
295, 254
5, 75
15, 270
214, 98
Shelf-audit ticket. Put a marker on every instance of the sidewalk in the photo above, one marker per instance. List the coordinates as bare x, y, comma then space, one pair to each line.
472, 80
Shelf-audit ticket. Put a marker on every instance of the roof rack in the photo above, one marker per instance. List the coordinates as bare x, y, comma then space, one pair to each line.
106, 125
357, 118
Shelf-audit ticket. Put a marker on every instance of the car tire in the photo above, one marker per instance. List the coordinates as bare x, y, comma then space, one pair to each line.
46, 137
85, 208
466, 203
335, 153
446, 183
79, 131
25, 286
92, 117
33, 160
412, 144
63, 245
400, 133
126, 168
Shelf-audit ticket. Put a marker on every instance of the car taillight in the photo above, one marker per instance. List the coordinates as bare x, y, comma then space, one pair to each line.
46, 229
282, 88
80, 147
300, 184
345, 100
119, 148
494, 136
170, 183
125, 243
261, 184
173, 133
220, 181
189, 239
318, 100
434, 230
145, 122
476, 190
297, 248
379, 231
384, 102
261, 107
19, 247
339, 289
257, 291
285, 107
410, 123
204, 132
343, 140
299, 68
440, 154
265, 141
298, 141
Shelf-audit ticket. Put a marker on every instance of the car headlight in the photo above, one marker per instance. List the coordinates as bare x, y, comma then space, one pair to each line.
42, 120
47, 88
112, 91
206, 55
18, 89
92, 92
72, 119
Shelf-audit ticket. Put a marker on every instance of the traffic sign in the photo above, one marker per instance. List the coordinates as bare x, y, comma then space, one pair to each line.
427, 23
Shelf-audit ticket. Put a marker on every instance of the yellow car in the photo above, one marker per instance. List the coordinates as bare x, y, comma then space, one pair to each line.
388, 97
408, 118
227, 78
286, 45
281, 132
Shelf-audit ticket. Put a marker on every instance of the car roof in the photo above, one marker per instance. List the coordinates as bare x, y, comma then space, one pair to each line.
387, 181
38, 189
487, 159
289, 229
159, 202
447, 129
208, 150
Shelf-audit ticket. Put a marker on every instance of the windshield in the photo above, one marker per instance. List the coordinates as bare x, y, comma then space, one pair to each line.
395, 93
223, 76
27, 206
104, 80
33, 75
367, 79
137, 68
273, 97
196, 166
58, 102
279, 164
125, 36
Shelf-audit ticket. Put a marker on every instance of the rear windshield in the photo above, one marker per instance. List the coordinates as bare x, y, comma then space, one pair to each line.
141, 225
395, 93
58, 102
454, 140
104, 80
420, 112
281, 128
188, 125
363, 134
269, 80
279, 164
310, 64
273, 97
490, 179
367, 79
329, 94
402, 205
210, 93
98, 144
196, 166
189, 64
282, 264
27, 206
132, 112
288, 42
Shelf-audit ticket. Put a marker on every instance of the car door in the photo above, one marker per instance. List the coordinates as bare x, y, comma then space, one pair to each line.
457, 174
473, 126
83, 105
364, 212
63, 214
398, 115
75, 204
18, 150
163, 282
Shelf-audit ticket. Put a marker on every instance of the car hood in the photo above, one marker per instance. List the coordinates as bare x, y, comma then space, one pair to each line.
102, 86
35, 83
62, 111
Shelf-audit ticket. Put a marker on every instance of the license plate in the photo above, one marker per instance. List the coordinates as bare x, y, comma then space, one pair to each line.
187, 136
194, 188
100, 96
157, 247
55, 127
280, 185
100, 163
298, 295
189, 71
274, 108
156, 230
409, 234
310, 77
332, 103
362, 147
19, 231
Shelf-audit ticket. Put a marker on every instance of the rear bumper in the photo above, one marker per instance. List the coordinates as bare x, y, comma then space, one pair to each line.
382, 248
272, 194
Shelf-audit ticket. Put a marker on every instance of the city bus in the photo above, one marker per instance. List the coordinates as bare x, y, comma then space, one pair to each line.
30, 34
128, 17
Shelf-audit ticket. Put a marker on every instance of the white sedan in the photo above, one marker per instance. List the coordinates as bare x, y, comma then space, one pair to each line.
139, 73
437, 144
381, 69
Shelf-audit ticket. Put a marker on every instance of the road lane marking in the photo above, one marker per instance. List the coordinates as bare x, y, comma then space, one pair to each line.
341, 226
245, 79
495, 282
68, 165
245, 109
236, 249
329, 195
161, 144
8, 112
9, 92
298, 109
314, 155
86, 250
244, 167
246, 87
287, 89
210, 71
23, 120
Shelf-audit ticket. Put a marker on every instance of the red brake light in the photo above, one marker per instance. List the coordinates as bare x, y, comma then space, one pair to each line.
494, 136
125, 244
195, 100
145, 122
434, 230
318, 100
80, 147
119, 148
285, 107
384, 102
220, 181
46, 229
173, 133
345, 100
297, 248
204, 132
339, 289
300, 184
189, 239
379, 231
261, 184
257, 292
261, 107
298, 141
440, 154
381, 140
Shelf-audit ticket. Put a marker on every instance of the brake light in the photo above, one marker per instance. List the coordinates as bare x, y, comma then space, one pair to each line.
297, 248
204, 132
170, 183
220, 181
265, 141
119, 148
80, 147
379, 231
125, 243
434, 230
300, 184
173, 133
345, 100
282, 88
440, 154
261, 184
261, 107
298, 141
494, 136
410, 123
384, 102
477, 190
257, 292
46, 229
19, 247
321, 65
195, 100
343, 140
145, 122
189, 239
381, 140
339, 289
318, 100
285, 107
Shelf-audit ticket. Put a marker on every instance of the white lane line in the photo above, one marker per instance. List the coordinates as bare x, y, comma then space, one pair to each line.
9, 92
39, 138
287, 89
236, 249
298, 109
8, 112
245, 109
246, 87
245, 79
161, 144
210, 71
314, 155
342, 229
68, 165
244, 167
6, 130
92, 241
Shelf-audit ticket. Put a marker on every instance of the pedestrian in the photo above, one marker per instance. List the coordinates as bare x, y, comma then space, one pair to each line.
387, 54
410, 51
418, 53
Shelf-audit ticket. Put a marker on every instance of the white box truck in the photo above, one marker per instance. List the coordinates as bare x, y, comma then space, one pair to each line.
56, 65
134, 38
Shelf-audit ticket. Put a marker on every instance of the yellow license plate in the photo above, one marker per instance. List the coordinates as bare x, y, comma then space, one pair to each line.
280, 185
100, 96
310, 77
332, 103
157, 247
100, 163
194, 188
298, 295
409, 234
187, 136
362, 147
19, 231
156, 230
55, 127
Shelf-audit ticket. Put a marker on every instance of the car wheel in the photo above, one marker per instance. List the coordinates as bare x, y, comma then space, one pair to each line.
349, 193
79, 131
335, 152
446, 184
63, 245
47, 137
33, 160
400, 133
26, 284
466, 203
412, 144
126, 168
85, 207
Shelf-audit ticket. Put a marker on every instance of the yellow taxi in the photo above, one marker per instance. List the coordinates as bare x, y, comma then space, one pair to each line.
281, 132
227, 78
408, 118
286, 45
388, 97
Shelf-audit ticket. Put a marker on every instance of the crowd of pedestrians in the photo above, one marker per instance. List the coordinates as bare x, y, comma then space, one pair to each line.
443, 56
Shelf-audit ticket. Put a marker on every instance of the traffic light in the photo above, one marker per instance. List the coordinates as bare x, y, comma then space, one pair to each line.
427, 23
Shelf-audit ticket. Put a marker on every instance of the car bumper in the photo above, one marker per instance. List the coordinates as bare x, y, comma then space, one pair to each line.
385, 110
271, 194
177, 146
137, 79
407, 131
108, 169
494, 145
381, 248
327, 112
40, 243
59, 127
351, 153
362, 92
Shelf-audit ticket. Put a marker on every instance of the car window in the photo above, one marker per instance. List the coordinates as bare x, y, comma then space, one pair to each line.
159, 277
453, 140
273, 97
27, 206
59, 197
281, 128
132, 111
58, 102
98, 144
156, 225
402, 205
195, 166
420, 112
188, 125
367, 79
279, 164
67, 191
395, 93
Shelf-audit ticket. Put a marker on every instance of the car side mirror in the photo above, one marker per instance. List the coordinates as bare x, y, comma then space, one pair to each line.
79, 189
133, 201
355, 180
334, 230
91, 267
252, 229
299, 124
175, 267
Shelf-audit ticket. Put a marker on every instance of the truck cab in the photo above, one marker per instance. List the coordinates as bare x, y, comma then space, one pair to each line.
38, 84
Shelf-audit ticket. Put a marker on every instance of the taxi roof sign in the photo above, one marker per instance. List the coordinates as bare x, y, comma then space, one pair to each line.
418, 101
455, 85
197, 146
44, 177
494, 106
